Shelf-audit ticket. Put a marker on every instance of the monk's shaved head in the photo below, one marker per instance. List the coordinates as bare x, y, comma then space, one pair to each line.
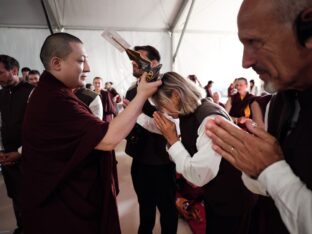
56, 45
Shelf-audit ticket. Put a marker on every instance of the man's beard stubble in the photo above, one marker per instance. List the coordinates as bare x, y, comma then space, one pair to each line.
269, 87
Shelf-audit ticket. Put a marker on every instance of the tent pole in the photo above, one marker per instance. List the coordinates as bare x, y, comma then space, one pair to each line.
171, 50
47, 16
172, 28
183, 30
178, 16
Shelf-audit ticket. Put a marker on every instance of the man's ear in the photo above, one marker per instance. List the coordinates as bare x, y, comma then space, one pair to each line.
15, 71
304, 27
308, 43
154, 63
55, 64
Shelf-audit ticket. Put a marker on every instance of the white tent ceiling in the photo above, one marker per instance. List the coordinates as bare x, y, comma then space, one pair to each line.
127, 15
132, 15
208, 45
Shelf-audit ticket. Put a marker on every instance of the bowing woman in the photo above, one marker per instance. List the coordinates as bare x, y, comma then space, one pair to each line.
228, 203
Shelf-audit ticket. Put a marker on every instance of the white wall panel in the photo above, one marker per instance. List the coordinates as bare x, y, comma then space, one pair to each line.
104, 59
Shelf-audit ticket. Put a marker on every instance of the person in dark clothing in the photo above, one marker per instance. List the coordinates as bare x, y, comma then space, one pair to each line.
68, 184
109, 87
238, 105
13, 102
208, 89
114, 95
278, 162
153, 174
109, 111
25, 72
228, 204
90, 86
90, 98
33, 77
253, 88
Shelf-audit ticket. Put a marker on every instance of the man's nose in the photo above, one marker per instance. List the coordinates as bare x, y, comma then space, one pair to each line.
248, 58
86, 67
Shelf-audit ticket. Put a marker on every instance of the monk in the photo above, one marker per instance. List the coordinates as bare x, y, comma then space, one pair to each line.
67, 165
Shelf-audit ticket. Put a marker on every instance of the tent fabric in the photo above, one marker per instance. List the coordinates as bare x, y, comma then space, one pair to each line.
216, 56
134, 15
210, 47
104, 59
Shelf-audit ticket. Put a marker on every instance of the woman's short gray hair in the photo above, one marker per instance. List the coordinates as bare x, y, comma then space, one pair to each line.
190, 95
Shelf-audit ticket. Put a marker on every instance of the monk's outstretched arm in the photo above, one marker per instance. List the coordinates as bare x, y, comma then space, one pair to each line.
120, 126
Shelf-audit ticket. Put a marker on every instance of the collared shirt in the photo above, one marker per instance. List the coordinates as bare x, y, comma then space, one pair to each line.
148, 123
291, 196
201, 167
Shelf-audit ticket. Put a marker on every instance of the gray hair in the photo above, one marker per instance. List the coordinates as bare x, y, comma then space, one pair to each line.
288, 10
190, 95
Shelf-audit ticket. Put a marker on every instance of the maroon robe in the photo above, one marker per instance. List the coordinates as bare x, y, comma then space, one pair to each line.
68, 186
239, 105
109, 109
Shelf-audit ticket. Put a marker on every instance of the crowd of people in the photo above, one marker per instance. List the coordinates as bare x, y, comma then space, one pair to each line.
236, 167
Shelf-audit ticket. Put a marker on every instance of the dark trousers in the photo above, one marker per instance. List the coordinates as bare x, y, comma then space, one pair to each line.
155, 187
222, 224
12, 178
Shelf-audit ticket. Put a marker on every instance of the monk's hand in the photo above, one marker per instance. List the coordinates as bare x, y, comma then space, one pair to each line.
167, 127
11, 158
250, 152
147, 89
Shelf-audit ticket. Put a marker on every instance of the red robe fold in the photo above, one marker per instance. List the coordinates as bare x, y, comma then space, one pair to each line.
68, 186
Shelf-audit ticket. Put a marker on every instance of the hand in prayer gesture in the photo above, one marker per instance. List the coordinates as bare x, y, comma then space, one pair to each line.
250, 152
167, 127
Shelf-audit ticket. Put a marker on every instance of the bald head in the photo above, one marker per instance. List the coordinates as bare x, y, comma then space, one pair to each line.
266, 28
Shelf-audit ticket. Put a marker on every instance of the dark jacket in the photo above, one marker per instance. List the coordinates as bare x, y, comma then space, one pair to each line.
13, 102
225, 194
144, 146
238, 105
295, 141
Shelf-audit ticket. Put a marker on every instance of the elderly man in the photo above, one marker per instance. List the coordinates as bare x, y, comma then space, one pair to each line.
279, 161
